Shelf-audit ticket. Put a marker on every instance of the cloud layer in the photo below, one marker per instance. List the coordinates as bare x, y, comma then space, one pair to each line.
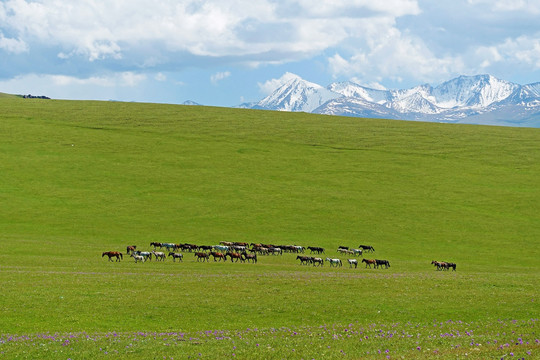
378, 42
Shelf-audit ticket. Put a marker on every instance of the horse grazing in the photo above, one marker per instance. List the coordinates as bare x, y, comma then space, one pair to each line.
353, 262
111, 254
367, 248
248, 257
369, 262
318, 261
384, 263
175, 256
131, 248
202, 256
138, 258
156, 245
334, 262
451, 265
160, 256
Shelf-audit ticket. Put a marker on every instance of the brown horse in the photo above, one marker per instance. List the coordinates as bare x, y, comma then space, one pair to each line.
248, 257
218, 255
111, 254
370, 262
202, 256
440, 265
131, 248
233, 256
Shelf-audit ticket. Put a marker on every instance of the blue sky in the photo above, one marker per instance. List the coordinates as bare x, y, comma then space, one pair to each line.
225, 52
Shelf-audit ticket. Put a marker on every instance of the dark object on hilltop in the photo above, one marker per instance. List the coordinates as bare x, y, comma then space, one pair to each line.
35, 97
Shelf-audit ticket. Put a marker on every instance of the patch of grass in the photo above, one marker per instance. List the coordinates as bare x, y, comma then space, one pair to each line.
80, 178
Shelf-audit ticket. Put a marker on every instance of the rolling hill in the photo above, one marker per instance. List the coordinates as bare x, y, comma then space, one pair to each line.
81, 177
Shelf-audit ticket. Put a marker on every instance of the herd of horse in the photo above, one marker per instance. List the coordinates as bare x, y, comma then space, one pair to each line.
244, 252
336, 262
443, 265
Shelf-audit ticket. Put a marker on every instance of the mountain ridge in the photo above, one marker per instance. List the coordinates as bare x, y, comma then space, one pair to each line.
478, 99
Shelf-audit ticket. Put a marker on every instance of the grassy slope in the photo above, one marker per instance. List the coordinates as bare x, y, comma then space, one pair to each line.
79, 178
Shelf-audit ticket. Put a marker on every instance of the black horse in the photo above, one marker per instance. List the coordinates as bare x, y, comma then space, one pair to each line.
304, 260
367, 248
316, 249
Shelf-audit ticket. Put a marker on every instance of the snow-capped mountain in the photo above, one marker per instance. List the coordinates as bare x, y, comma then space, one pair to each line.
473, 91
480, 99
297, 95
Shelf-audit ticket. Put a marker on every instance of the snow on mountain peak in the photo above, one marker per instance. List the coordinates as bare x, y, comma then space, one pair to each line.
474, 91
351, 89
297, 95
482, 97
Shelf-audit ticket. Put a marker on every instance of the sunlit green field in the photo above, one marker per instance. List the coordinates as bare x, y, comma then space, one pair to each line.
81, 178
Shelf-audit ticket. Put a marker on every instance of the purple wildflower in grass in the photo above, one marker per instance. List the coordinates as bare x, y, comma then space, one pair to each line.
511, 354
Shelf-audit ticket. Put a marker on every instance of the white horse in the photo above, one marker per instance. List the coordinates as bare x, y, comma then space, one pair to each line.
221, 247
145, 254
160, 256
357, 252
334, 262
353, 262
138, 258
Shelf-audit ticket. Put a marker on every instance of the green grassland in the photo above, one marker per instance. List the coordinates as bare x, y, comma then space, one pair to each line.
78, 178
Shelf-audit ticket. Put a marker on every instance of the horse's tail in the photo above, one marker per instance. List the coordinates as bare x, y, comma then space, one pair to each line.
121, 256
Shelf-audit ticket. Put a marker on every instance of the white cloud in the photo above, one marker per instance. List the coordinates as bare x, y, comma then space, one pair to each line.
100, 29
394, 55
124, 79
270, 85
219, 76
529, 6
160, 77
46, 83
14, 46
379, 42
521, 51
